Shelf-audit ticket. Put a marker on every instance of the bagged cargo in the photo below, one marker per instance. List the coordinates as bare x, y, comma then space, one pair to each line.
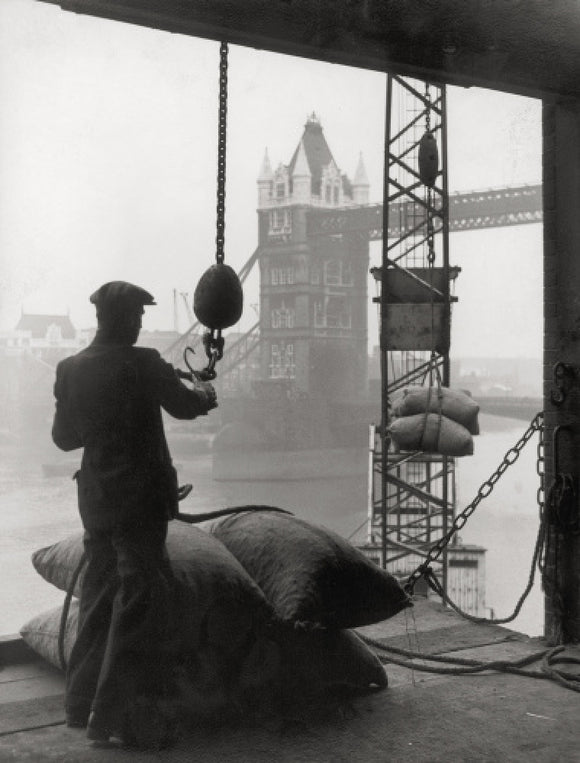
431, 433
41, 633
310, 576
282, 668
452, 403
214, 597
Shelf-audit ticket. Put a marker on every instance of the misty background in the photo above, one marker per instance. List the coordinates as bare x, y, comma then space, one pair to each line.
108, 165
108, 162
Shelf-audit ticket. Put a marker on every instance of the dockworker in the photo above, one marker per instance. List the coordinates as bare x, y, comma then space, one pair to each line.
109, 398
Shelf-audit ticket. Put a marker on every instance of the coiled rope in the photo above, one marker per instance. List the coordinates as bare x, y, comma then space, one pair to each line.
465, 666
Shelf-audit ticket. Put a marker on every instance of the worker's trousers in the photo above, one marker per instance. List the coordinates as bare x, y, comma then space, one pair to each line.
121, 653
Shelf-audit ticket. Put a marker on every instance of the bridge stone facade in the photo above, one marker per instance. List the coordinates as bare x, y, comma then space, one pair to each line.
313, 291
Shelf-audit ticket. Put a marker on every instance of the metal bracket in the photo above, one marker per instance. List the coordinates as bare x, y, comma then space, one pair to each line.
564, 377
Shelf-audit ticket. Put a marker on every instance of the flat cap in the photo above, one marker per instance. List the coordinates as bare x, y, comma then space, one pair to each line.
120, 295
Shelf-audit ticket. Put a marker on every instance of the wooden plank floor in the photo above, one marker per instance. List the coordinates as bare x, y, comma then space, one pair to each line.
420, 717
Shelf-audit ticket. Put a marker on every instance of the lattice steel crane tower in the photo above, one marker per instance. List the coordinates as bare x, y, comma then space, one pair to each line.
411, 498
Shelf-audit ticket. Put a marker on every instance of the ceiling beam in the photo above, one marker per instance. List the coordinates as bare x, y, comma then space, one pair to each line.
529, 47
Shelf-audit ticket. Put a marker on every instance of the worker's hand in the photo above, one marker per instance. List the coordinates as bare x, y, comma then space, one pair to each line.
207, 395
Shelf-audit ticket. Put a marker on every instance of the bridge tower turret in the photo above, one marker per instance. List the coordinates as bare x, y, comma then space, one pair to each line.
313, 290
360, 184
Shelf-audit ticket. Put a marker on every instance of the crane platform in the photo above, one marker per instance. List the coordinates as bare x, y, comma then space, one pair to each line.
421, 716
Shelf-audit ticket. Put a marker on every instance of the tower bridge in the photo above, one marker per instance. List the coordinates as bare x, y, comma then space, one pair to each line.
313, 287
474, 210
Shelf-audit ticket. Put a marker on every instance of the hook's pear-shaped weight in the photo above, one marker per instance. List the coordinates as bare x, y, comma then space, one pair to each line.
428, 159
218, 299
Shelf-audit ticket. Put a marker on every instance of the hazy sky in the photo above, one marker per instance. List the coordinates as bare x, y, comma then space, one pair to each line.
108, 168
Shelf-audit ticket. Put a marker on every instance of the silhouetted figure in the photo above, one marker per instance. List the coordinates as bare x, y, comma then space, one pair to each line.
108, 401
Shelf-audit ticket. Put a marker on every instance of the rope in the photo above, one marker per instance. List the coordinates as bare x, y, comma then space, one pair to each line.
465, 666
425, 415
66, 609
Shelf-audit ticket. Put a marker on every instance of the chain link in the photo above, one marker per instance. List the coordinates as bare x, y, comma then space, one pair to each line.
221, 175
540, 470
486, 488
212, 340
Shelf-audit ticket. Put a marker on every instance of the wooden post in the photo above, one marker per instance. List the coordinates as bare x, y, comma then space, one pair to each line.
561, 167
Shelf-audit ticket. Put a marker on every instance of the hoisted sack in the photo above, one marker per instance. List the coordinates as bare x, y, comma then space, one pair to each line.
452, 403
431, 433
311, 577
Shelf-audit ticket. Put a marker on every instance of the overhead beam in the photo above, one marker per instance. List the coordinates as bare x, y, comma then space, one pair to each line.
530, 47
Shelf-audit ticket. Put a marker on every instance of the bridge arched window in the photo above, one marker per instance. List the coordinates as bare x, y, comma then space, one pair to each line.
319, 314
338, 313
332, 272
281, 276
283, 317
282, 364
337, 272
280, 221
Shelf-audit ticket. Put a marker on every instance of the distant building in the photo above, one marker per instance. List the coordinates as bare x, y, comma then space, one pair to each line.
47, 337
242, 359
499, 377
313, 293
28, 357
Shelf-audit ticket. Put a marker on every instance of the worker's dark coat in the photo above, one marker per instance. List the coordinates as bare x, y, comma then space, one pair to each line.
108, 400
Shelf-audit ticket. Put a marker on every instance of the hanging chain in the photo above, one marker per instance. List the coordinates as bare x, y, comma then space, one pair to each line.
221, 175
213, 341
486, 488
430, 226
431, 259
541, 471
537, 556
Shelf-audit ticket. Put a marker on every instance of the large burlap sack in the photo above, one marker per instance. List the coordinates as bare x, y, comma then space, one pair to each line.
431, 433
282, 669
310, 576
207, 681
328, 659
452, 403
215, 600
41, 633
305, 673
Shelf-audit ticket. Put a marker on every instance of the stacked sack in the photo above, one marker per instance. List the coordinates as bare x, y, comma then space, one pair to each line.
434, 420
264, 604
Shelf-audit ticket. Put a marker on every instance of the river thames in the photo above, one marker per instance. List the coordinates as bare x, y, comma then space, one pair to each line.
37, 511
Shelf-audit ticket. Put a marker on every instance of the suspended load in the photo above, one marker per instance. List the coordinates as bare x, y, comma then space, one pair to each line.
218, 298
428, 159
453, 403
434, 420
431, 433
